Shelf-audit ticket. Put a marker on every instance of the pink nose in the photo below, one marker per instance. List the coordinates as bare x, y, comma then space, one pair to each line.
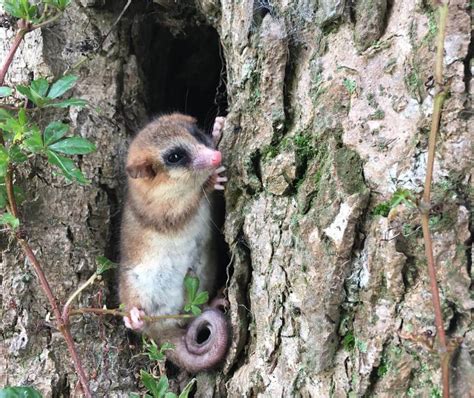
216, 158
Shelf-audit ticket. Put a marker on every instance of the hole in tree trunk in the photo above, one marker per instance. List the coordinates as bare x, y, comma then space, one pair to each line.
182, 65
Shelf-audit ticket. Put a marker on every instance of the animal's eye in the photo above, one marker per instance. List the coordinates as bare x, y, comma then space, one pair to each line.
175, 157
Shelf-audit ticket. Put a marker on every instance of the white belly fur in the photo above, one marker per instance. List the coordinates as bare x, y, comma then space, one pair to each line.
159, 278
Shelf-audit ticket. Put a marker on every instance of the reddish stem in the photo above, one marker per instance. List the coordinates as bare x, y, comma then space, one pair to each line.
24, 29
62, 326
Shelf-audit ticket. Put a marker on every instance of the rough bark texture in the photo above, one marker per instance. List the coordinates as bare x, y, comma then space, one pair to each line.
329, 109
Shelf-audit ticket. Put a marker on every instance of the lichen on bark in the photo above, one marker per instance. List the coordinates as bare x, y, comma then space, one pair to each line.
328, 112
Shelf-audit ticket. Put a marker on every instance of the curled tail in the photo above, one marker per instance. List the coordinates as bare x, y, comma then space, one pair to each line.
204, 344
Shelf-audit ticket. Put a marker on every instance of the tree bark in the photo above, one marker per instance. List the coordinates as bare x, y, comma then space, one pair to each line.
329, 108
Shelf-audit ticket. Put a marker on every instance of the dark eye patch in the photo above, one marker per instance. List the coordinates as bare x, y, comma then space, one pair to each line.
197, 133
176, 157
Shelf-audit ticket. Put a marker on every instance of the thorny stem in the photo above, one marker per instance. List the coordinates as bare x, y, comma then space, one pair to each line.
425, 205
24, 28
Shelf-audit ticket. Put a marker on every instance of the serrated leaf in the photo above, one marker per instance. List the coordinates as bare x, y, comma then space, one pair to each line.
187, 389
62, 85
73, 146
167, 346
195, 310
68, 167
156, 388
5, 92
59, 4
80, 103
34, 141
4, 160
9, 219
104, 264
21, 9
54, 132
16, 155
40, 86
19, 392
191, 285
201, 298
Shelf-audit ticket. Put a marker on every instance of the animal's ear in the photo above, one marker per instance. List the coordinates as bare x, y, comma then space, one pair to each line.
140, 168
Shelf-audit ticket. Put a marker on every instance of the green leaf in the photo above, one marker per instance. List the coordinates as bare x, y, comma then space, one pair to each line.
34, 141
158, 389
62, 85
80, 103
21, 9
187, 389
68, 168
22, 119
59, 4
19, 392
5, 91
4, 114
170, 394
16, 155
104, 264
191, 285
3, 198
73, 146
40, 86
54, 132
163, 386
9, 219
4, 160
201, 298
195, 310
24, 90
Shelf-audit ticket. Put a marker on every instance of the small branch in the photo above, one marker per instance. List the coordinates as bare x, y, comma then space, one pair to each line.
115, 23
90, 281
47, 22
57, 314
119, 313
24, 28
10, 192
425, 204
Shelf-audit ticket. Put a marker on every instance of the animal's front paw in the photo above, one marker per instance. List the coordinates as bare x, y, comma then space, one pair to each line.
217, 129
133, 320
219, 180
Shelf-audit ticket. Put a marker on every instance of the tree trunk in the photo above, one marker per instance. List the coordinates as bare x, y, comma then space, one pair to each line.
329, 107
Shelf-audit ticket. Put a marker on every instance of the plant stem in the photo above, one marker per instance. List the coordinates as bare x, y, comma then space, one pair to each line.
63, 328
425, 205
114, 312
11, 54
90, 281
